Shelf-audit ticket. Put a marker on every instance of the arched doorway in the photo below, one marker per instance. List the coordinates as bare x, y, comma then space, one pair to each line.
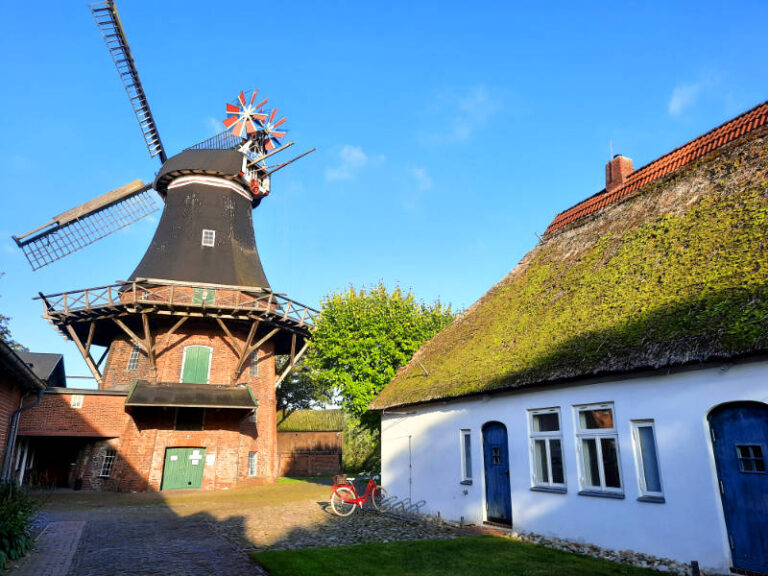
740, 443
498, 497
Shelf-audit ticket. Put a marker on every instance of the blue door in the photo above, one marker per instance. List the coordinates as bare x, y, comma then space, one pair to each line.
740, 441
498, 497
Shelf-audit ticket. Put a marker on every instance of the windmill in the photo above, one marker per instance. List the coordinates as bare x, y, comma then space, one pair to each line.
249, 129
191, 336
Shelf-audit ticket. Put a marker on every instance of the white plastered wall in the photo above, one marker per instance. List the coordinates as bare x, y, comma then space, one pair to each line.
421, 460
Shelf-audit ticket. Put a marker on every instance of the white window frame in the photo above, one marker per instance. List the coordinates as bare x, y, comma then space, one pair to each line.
76, 401
466, 478
597, 434
133, 358
253, 464
640, 464
108, 464
209, 238
547, 437
253, 365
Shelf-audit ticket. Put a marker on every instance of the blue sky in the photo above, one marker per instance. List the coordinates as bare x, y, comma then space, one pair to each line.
448, 133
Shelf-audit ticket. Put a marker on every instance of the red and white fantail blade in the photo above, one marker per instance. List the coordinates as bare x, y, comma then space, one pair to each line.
232, 109
241, 99
278, 134
253, 96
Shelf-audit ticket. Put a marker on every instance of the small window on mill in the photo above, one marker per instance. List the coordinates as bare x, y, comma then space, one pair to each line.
209, 238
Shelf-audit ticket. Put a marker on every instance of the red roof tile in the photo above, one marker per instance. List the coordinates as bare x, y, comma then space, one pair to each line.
697, 148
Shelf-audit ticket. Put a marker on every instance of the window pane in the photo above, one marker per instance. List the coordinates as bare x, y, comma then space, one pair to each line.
589, 455
467, 457
540, 461
556, 455
253, 463
594, 419
650, 460
546, 422
610, 462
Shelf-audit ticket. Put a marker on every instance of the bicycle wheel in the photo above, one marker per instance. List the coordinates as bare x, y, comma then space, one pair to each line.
380, 498
342, 501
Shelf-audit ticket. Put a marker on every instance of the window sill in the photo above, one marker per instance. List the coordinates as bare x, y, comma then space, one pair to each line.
549, 490
597, 494
653, 499
466, 482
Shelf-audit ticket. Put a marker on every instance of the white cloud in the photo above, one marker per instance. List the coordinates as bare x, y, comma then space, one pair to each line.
683, 96
423, 181
351, 160
466, 112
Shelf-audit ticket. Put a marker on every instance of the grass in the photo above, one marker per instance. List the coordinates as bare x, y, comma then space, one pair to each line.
471, 556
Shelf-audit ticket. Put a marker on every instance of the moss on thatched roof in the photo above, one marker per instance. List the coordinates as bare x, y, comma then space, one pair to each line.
675, 274
310, 421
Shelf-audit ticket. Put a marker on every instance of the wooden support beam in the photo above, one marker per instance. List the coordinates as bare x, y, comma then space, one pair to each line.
148, 342
248, 350
86, 355
175, 327
292, 363
103, 355
138, 341
91, 330
293, 348
235, 343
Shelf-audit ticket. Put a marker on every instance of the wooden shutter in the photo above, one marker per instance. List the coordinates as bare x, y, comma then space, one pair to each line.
197, 360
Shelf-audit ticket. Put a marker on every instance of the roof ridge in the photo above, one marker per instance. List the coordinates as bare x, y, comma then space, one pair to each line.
746, 122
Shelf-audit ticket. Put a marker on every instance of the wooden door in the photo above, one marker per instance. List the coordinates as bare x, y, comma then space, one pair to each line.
183, 468
197, 363
498, 494
740, 443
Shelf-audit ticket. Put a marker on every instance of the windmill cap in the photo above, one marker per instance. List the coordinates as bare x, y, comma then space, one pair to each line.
226, 164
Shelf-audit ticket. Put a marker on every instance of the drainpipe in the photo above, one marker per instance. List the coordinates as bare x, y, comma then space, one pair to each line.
6, 475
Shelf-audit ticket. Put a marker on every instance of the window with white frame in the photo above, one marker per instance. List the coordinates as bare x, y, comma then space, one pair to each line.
253, 463
209, 238
647, 460
466, 456
76, 401
598, 448
547, 470
133, 358
108, 463
253, 368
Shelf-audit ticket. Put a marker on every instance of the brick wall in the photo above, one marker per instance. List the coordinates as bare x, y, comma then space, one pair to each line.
142, 435
100, 416
10, 396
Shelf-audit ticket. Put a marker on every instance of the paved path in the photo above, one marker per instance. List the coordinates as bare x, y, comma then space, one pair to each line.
198, 534
54, 550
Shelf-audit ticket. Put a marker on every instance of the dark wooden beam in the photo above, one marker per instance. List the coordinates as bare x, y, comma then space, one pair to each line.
131, 334
235, 343
86, 355
148, 342
175, 327
292, 363
91, 330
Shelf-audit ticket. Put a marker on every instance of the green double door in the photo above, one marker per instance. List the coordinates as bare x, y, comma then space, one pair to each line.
183, 468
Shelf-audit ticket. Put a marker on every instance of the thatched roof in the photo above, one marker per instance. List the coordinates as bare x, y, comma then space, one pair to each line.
331, 420
672, 274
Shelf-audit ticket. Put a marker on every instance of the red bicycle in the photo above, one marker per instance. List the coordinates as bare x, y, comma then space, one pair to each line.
345, 499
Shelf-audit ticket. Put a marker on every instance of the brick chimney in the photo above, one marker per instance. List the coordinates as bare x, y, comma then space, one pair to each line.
617, 171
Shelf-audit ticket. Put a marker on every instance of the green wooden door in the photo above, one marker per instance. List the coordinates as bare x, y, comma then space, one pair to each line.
197, 361
183, 468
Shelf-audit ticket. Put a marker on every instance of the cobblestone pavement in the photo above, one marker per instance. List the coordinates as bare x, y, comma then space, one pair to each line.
205, 534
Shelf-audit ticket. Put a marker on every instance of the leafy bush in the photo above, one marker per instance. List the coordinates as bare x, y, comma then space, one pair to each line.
16, 508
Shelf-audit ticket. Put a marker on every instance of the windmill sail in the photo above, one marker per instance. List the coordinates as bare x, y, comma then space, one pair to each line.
108, 21
77, 228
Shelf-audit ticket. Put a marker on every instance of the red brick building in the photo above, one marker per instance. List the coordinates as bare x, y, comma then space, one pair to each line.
20, 390
186, 385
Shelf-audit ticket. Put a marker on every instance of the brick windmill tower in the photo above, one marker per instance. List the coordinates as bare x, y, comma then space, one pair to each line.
186, 384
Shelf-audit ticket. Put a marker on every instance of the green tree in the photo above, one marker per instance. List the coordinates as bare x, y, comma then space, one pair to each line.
300, 390
363, 336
